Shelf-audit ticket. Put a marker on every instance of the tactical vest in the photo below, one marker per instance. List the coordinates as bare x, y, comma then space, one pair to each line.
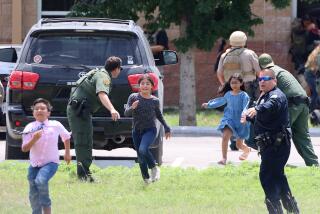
232, 63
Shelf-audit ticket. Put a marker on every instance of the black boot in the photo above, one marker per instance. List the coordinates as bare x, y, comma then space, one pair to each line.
84, 173
274, 207
290, 203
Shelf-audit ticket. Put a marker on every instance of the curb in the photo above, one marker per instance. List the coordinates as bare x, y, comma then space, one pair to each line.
194, 131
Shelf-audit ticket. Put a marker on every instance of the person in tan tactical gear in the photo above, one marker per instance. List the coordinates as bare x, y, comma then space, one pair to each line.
239, 59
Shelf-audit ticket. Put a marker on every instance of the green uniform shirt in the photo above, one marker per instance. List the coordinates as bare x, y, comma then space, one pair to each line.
95, 81
287, 83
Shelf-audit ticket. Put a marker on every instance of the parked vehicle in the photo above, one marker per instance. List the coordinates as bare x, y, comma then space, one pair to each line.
57, 52
8, 58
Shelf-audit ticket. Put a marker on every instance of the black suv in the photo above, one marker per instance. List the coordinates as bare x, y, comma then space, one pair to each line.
57, 52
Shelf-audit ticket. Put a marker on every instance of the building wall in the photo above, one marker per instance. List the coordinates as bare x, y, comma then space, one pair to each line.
273, 37
5, 21
29, 17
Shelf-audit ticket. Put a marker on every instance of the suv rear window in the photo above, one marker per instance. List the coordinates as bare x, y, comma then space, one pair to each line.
85, 49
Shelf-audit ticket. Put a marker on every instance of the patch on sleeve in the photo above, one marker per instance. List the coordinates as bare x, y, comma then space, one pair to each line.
274, 96
106, 82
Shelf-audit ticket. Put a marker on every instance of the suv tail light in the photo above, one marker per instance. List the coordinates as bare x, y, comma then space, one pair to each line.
134, 78
23, 80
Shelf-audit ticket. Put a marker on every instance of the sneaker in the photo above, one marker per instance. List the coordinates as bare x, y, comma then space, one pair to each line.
155, 174
147, 181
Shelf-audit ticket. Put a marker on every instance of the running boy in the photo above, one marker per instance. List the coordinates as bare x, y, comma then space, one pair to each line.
41, 139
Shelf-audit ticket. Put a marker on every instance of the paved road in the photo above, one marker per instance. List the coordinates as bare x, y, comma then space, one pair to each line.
199, 152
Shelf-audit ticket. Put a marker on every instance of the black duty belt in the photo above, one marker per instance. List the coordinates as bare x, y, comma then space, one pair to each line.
296, 100
267, 139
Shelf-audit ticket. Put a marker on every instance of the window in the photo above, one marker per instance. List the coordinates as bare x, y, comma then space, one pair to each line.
56, 8
8, 55
93, 50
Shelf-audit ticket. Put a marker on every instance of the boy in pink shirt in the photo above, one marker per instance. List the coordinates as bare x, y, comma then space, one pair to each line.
41, 139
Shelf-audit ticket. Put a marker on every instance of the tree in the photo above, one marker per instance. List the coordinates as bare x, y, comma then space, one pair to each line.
201, 23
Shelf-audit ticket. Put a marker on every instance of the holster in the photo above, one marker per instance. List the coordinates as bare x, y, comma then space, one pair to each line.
262, 141
268, 139
80, 106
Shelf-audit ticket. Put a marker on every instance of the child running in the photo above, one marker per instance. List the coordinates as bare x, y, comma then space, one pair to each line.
145, 109
41, 139
237, 102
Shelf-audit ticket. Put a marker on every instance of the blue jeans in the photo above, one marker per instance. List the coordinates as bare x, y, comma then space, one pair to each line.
142, 141
38, 178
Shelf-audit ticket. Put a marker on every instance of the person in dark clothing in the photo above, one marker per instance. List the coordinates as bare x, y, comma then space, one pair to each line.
222, 48
271, 122
160, 42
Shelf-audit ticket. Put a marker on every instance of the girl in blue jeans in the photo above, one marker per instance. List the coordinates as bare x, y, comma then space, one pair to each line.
145, 109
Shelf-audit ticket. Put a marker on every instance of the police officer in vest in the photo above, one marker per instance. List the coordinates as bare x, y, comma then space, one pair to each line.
86, 98
239, 59
298, 109
271, 120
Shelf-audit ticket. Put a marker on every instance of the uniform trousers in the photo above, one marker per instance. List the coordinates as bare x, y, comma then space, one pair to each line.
272, 178
82, 133
299, 115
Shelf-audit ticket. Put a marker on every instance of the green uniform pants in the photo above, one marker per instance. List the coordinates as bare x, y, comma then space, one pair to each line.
299, 115
82, 133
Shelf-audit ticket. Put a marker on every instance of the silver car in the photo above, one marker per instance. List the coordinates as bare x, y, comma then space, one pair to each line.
8, 57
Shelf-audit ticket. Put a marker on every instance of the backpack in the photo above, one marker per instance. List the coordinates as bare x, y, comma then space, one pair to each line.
232, 63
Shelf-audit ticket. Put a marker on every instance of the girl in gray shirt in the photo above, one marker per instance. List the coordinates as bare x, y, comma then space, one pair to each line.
145, 109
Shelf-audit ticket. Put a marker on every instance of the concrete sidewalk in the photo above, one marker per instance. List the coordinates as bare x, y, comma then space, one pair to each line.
195, 131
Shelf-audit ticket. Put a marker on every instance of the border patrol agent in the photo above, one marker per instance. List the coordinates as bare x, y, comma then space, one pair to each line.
298, 109
86, 98
273, 140
239, 59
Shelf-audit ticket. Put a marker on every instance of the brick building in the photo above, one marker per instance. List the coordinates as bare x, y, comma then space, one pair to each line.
273, 36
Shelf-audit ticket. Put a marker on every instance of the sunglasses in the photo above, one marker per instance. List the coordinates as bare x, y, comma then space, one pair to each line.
265, 78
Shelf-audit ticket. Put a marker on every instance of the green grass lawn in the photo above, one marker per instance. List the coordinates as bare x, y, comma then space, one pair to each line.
208, 117
205, 118
121, 190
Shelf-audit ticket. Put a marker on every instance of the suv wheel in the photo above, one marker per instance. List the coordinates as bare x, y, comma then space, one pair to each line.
158, 151
13, 152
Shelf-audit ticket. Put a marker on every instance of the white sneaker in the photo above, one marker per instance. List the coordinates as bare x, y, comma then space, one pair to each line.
147, 181
155, 174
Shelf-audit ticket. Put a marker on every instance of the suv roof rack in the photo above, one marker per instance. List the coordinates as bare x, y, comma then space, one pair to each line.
83, 19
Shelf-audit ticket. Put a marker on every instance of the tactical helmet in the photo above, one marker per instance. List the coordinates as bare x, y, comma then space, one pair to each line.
238, 39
